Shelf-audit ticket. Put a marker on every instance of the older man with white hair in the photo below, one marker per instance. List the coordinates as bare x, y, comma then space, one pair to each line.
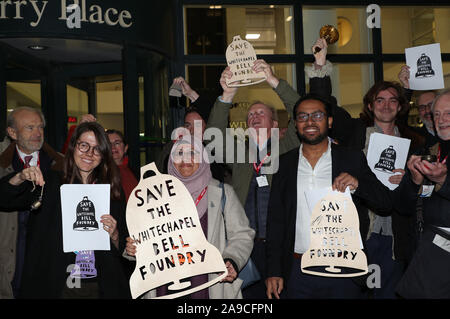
428, 274
24, 147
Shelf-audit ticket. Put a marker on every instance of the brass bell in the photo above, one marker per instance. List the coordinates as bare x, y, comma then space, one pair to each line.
329, 33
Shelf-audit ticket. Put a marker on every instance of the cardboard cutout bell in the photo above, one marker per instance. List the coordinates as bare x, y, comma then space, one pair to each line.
424, 68
170, 245
240, 58
335, 240
387, 160
85, 216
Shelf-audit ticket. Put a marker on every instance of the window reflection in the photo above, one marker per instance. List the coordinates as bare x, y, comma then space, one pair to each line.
404, 27
268, 28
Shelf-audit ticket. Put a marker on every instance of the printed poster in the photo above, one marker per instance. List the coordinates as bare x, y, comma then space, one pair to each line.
425, 65
386, 153
82, 205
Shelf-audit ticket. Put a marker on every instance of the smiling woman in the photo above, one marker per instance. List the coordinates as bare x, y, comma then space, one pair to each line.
88, 161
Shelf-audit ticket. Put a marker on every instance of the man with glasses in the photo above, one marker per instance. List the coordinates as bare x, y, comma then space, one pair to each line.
423, 101
317, 163
251, 180
24, 147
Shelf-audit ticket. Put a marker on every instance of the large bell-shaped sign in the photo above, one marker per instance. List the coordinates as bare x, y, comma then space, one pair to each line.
170, 244
240, 57
335, 247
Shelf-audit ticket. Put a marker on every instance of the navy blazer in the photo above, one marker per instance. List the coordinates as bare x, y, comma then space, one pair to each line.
282, 209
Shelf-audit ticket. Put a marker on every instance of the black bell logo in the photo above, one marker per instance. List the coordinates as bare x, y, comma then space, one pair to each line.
387, 160
85, 216
424, 68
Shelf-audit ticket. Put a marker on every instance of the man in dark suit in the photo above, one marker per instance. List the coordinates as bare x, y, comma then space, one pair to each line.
24, 147
318, 163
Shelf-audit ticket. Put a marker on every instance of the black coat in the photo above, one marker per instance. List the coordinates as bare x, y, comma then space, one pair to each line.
45, 270
282, 209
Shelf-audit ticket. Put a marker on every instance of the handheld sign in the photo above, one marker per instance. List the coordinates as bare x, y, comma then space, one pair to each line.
335, 241
81, 207
425, 64
386, 153
240, 58
170, 245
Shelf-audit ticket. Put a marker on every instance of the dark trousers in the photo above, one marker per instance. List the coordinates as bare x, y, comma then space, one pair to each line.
305, 286
88, 290
258, 289
379, 252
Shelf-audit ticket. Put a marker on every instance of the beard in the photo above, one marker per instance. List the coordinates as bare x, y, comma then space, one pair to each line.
313, 141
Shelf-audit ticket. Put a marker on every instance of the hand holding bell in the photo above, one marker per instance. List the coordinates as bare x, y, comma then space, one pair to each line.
329, 33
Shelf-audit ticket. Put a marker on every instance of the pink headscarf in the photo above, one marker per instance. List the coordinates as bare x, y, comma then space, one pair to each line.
200, 179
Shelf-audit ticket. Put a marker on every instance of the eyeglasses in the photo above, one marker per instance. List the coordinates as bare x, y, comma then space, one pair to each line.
422, 107
315, 116
84, 147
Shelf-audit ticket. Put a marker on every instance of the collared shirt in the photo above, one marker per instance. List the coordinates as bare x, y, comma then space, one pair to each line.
308, 179
34, 160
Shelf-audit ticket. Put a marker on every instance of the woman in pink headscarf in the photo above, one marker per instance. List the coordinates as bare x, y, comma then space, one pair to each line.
233, 236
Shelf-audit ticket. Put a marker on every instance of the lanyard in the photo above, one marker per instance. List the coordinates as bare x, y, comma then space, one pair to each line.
199, 198
258, 168
439, 156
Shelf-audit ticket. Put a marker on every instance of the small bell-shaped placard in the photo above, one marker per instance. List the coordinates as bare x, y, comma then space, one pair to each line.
170, 244
84, 265
240, 58
387, 160
424, 68
85, 216
335, 247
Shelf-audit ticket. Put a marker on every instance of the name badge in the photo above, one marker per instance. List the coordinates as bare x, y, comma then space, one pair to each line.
427, 190
262, 181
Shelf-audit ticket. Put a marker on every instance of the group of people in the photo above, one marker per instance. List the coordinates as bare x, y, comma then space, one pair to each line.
252, 213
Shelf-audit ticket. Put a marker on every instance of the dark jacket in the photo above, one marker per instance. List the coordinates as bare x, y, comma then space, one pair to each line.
352, 133
45, 271
283, 203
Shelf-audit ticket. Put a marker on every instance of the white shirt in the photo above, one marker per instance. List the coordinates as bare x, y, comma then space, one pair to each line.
308, 179
34, 160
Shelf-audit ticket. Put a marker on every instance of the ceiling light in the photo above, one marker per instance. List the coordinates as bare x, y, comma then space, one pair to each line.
37, 47
252, 36
288, 18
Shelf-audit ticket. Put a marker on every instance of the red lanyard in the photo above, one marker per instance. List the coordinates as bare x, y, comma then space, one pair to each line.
258, 168
199, 198
439, 156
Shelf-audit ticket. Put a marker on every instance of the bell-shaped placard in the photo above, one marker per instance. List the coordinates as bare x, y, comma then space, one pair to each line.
424, 68
84, 265
387, 160
335, 248
85, 216
240, 58
170, 245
